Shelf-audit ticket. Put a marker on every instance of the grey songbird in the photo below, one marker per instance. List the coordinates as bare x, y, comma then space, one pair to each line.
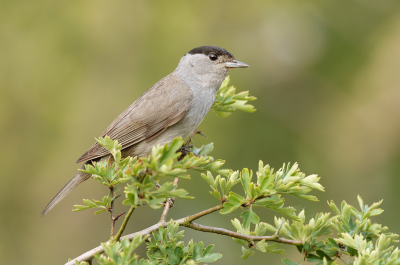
172, 107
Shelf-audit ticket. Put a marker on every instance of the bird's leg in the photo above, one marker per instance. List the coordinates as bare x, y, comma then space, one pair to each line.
185, 151
191, 136
193, 133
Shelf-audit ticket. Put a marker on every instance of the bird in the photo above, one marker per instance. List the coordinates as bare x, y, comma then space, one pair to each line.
172, 107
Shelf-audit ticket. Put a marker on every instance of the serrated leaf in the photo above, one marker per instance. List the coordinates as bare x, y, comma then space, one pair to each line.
246, 253
246, 179
249, 217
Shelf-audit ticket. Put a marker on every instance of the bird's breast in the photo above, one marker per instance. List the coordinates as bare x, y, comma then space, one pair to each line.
203, 100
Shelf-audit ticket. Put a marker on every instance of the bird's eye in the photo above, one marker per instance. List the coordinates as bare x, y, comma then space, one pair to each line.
213, 57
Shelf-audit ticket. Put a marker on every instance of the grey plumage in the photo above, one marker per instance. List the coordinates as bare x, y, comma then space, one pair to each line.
173, 107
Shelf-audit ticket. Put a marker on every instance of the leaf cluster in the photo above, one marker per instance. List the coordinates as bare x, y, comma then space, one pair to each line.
299, 230
259, 230
166, 248
368, 253
356, 234
351, 221
103, 205
265, 192
143, 175
227, 101
122, 253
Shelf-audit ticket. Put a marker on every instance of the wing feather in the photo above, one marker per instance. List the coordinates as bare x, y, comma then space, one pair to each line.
163, 105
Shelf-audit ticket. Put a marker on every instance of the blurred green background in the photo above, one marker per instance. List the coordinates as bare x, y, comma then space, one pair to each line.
326, 74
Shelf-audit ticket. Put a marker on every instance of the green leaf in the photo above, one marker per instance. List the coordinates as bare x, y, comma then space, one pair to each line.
216, 194
204, 150
272, 248
227, 101
246, 179
100, 211
120, 252
210, 180
234, 201
89, 203
246, 253
249, 217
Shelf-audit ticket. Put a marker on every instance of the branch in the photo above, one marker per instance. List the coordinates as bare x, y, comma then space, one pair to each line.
111, 210
187, 222
128, 215
168, 203
123, 225
225, 232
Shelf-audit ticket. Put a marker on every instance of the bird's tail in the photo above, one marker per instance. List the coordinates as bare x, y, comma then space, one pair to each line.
75, 181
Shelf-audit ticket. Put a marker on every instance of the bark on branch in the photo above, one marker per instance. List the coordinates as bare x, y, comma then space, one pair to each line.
188, 222
168, 203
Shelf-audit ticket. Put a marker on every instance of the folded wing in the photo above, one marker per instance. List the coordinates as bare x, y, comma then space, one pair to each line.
163, 105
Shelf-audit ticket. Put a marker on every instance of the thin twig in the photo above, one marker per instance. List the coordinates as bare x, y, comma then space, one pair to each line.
119, 215
123, 225
168, 204
187, 222
111, 210
193, 217
127, 216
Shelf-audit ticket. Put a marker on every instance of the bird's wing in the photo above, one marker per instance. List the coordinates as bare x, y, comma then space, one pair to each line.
163, 105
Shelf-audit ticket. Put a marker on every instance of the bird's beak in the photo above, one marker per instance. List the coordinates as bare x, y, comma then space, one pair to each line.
236, 64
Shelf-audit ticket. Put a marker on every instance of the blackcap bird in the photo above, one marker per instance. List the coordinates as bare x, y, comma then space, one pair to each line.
172, 107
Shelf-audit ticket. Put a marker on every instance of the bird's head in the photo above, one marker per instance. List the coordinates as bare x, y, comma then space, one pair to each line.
208, 63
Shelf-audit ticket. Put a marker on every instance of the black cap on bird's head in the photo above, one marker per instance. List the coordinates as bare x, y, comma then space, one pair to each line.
208, 49
215, 52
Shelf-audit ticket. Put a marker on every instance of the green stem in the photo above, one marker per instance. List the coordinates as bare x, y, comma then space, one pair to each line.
124, 223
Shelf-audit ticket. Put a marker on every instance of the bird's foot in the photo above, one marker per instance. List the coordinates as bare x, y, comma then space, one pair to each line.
191, 136
186, 150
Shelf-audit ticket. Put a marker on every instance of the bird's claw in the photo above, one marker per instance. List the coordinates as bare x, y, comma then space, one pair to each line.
185, 149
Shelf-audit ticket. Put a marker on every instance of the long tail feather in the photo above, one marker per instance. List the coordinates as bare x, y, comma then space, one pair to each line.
73, 183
